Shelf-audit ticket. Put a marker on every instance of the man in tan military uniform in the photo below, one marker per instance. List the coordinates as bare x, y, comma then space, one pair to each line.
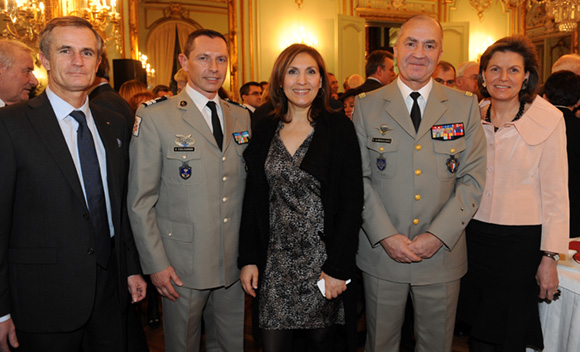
187, 179
423, 181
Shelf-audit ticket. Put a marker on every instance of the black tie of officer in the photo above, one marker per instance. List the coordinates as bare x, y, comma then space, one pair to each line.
215, 123
93, 188
416, 111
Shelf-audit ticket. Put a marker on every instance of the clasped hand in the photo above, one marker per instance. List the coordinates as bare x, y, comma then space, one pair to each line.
403, 250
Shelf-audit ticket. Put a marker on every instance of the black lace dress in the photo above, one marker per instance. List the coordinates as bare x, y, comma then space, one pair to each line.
289, 296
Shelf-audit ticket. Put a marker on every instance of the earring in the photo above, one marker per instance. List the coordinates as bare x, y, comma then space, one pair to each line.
525, 84
483, 84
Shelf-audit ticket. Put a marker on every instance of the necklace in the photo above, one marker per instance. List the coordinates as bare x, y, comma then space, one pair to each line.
517, 117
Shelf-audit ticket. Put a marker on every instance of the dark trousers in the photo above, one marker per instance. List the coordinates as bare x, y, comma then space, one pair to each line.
103, 332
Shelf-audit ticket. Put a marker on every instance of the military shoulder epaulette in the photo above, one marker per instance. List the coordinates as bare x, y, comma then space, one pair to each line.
154, 101
468, 93
235, 103
362, 95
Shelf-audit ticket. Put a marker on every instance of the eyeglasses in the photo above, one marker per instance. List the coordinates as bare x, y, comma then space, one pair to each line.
449, 82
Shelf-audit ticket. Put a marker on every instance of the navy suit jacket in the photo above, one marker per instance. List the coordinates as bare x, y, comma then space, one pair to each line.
47, 261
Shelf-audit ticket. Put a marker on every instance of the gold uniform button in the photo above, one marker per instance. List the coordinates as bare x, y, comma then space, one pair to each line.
183, 156
417, 197
416, 221
418, 147
225, 178
224, 199
452, 150
382, 149
417, 172
226, 220
224, 158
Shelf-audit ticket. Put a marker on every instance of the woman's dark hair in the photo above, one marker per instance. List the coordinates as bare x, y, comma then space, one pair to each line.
518, 44
563, 88
276, 90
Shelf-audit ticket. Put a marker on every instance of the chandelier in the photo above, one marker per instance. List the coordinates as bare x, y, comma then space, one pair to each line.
566, 13
23, 20
102, 15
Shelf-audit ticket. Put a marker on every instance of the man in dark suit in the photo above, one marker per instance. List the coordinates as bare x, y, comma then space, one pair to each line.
101, 93
67, 256
379, 69
562, 89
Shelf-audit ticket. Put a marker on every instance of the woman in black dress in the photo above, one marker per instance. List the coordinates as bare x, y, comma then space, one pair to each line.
302, 207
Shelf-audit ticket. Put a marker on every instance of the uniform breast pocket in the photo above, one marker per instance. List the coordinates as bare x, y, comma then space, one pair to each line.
383, 155
447, 155
240, 160
183, 168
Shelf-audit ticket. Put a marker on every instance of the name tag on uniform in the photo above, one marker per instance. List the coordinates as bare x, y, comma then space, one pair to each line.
382, 140
183, 149
447, 132
242, 137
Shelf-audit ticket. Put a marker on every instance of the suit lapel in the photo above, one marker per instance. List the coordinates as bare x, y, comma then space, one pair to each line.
396, 108
193, 117
44, 121
433, 110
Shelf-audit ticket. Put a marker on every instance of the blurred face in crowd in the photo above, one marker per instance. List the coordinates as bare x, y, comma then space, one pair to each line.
468, 82
348, 105
333, 82
206, 65
254, 97
446, 78
17, 80
302, 81
418, 50
386, 72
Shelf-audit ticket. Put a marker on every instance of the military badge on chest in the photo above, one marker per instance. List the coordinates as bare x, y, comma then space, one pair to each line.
184, 144
381, 161
452, 164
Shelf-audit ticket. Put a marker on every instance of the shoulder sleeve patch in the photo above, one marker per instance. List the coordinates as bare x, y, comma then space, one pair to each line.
136, 126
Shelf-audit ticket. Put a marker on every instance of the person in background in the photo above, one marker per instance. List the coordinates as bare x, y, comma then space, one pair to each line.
180, 78
445, 74
379, 69
347, 100
466, 79
132, 87
161, 90
68, 262
186, 185
562, 89
333, 83
101, 93
302, 207
16, 72
423, 156
251, 94
524, 210
568, 62
353, 81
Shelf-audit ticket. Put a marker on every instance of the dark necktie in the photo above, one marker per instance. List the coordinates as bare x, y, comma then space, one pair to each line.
215, 123
93, 188
416, 111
